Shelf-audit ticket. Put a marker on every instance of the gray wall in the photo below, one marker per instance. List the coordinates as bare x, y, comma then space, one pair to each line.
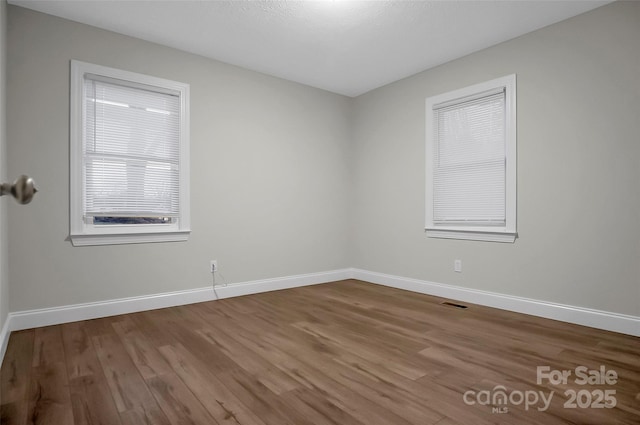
4, 280
268, 172
578, 168
287, 179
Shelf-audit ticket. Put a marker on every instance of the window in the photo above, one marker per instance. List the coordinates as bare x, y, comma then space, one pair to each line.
471, 162
129, 157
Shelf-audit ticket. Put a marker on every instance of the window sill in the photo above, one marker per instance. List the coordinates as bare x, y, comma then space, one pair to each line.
128, 238
472, 235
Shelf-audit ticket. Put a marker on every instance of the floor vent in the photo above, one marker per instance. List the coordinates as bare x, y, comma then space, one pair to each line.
453, 304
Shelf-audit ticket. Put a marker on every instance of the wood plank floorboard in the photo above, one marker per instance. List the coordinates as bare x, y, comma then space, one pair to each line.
343, 353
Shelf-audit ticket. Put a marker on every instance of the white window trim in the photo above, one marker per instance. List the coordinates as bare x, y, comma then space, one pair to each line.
82, 233
505, 233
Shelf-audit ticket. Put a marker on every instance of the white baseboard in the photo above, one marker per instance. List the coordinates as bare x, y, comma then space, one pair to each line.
266, 285
72, 313
57, 315
605, 320
4, 339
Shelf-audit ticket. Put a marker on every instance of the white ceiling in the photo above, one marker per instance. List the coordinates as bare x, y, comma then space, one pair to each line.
347, 47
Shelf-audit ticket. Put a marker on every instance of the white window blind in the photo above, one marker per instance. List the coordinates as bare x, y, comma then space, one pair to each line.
131, 150
469, 172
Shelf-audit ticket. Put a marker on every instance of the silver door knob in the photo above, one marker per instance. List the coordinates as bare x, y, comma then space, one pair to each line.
22, 189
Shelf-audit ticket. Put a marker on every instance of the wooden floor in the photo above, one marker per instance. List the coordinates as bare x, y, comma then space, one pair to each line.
344, 353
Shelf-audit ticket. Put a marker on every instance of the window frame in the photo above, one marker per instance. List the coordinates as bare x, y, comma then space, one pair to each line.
508, 232
83, 233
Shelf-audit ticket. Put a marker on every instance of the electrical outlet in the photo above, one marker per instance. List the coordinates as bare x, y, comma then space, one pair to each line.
213, 266
457, 266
